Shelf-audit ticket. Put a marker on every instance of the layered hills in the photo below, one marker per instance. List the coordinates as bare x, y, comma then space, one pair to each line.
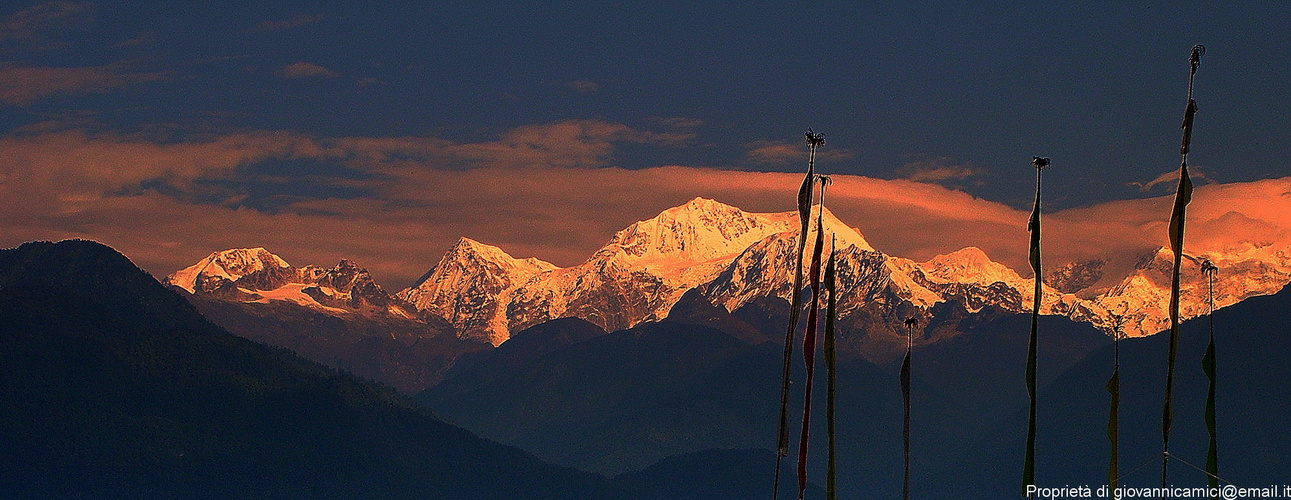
338, 316
664, 342
659, 350
115, 387
615, 402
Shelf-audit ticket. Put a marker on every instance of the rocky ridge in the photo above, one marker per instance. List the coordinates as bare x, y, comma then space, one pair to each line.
254, 275
733, 258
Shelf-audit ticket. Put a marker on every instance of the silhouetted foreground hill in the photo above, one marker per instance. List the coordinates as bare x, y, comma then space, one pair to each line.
1253, 399
716, 474
112, 386
408, 355
617, 402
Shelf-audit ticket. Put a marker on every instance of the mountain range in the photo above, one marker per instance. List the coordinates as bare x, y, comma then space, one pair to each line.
337, 316
114, 386
612, 403
665, 343
734, 258
659, 353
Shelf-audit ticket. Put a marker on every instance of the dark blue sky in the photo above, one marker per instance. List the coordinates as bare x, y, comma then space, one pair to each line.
958, 94
1097, 86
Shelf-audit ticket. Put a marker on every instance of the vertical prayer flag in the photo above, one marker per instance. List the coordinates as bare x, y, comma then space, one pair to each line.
1028, 466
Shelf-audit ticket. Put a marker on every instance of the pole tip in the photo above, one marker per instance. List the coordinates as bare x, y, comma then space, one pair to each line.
815, 139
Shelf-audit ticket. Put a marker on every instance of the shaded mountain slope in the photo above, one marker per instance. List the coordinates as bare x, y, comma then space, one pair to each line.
337, 316
622, 401
716, 475
1254, 410
475, 370
409, 355
616, 402
111, 386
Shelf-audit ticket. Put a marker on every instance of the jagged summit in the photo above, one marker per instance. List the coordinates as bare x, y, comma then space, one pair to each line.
704, 229
846, 236
225, 266
1140, 300
470, 287
736, 258
469, 248
700, 230
968, 265
646, 268
257, 275
465, 261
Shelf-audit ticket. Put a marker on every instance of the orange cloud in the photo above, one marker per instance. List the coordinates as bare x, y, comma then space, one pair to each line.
1171, 178
23, 85
567, 144
305, 70
783, 153
937, 170
64, 171
537, 191
28, 23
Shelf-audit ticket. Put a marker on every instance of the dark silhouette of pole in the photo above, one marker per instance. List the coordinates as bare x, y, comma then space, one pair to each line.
831, 367
1113, 417
1208, 365
910, 323
814, 140
809, 340
1028, 466
1177, 219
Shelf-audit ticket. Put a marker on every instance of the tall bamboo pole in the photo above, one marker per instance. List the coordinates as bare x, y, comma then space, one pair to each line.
1028, 467
1177, 219
814, 140
1113, 417
831, 367
910, 323
1208, 365
809, 340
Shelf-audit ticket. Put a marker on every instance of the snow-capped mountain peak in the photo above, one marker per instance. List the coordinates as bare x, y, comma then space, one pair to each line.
470, 287
700, 230
967, 265
1140, 301
766, 267
735, 258
256, 275
703, 229
469, 250
225, 266
845, 236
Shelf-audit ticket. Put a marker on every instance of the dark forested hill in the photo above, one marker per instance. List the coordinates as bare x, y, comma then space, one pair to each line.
111, 386
618, 402
1253, 399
